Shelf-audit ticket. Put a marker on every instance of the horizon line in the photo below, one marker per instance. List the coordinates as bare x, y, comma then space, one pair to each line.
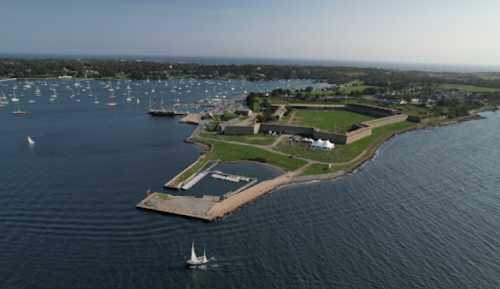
292, 61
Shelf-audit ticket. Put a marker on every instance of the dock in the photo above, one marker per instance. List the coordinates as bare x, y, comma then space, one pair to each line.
210, 208
180, 181
229, 177
165, 113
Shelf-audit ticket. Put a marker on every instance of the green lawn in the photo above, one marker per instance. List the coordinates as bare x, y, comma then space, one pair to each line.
468, 88
344, 153
232, 152
355, 88
316, 169
329, 120
259, 139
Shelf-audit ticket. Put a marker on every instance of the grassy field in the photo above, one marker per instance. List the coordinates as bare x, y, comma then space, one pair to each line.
355, 88
344, 153
468, 88
329, 120
232, 152
259, 139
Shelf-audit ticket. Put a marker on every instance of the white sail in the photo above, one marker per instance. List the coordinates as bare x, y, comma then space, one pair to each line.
30, 141
204, 258
194, 258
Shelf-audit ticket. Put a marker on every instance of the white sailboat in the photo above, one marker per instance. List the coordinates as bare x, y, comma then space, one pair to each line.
14, 98
18, 111
31, 142
112, 102
128, 99
195, 260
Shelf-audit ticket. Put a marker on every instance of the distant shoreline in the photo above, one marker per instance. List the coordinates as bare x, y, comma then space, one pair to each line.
232, 60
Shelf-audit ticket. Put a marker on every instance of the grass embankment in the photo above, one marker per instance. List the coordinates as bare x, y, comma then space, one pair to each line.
344, 153
195, 168
321, 169
337, 120
259, 139
224, 151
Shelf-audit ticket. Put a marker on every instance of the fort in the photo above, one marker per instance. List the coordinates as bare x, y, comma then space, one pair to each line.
244, 138
382, 117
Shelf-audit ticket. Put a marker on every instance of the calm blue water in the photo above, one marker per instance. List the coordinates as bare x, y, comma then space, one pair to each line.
424, 214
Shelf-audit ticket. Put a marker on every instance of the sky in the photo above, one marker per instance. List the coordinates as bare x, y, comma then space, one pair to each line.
425, 31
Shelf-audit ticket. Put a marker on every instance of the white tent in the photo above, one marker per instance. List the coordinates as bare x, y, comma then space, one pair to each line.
329, 145
322, 145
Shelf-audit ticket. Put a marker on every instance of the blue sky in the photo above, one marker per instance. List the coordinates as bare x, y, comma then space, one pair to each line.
425, 31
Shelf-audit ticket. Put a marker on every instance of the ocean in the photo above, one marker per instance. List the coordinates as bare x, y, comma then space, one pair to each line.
424, 213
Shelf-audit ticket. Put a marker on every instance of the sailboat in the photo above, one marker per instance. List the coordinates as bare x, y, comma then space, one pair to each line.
112, 102
128, 99
14, 98
195, 260
31, 142
3, 99
18, 111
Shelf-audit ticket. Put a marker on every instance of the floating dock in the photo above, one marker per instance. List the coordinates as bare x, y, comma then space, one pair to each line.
177, 182
194, 180
229, 177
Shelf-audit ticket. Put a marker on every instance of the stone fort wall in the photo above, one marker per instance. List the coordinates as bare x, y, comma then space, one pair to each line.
384, 117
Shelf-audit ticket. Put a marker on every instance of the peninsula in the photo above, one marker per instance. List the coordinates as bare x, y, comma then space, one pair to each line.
309, 134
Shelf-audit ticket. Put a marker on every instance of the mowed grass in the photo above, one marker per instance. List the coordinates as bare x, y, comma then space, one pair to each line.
355, 88
259, 139
330, 120
316, 169
233, 152
468, 88
344, 153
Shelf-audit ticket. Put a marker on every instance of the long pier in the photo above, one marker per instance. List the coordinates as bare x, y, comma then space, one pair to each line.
210, 208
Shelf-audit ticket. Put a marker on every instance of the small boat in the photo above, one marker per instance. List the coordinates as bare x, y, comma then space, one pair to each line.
195, 261
19, 112
31, 141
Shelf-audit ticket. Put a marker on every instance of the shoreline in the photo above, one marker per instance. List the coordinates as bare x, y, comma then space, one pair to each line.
208, 208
